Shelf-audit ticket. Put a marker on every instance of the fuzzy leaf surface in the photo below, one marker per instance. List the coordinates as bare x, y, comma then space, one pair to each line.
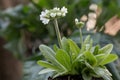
74, 48
63, 58
90, 58
108, 59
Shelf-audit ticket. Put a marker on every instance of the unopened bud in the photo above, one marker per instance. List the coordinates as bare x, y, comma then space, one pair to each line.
79, 24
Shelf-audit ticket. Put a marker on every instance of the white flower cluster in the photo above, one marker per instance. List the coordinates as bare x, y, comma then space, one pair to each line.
47, 15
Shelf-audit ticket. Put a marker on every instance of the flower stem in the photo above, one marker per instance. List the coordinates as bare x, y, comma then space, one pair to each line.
81, 38
58, 33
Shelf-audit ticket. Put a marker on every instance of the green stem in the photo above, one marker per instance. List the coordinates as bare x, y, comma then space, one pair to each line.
81, 38
58, 32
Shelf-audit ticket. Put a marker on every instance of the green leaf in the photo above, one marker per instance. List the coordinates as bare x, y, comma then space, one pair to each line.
90, 58
75, 50
108, 59
86, 77
86, 43
64, 59
48, 53
85, 74
55, 47
104, 73
45, 71
87, 39
65, 44
100, 58
106, 49
48, 65
88, 65
96, 50
79, 57
59, 74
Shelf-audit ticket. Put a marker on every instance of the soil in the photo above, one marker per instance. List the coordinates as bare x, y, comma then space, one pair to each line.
71, 77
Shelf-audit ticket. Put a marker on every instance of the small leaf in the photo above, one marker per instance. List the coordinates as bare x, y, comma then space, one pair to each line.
79, 57
45, 71
88, 65
106, 49
108, 59
87, 39
90, 58
59, 74
86, 77
85, 74
100, 57
96, 50
65, 44
88, 46
75, 50
86, 43
55, 47
104, 73
64, 59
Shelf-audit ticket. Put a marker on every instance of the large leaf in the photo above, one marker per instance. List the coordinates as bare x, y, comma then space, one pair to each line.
75, 50
48, 53
108, 59
90, 58
64, 59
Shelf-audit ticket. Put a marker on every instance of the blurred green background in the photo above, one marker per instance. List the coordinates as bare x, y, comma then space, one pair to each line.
21, 33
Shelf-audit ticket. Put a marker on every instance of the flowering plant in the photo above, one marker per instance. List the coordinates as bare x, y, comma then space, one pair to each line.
70, 59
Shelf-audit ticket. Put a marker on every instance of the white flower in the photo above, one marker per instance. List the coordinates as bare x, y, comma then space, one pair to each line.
64, 10
59, 14
52, 15
63, 14
76, 21
48, 15
57, 9
43, 17
93, 7
45, 21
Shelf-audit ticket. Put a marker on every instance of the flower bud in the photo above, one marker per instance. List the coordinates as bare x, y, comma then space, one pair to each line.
79, 24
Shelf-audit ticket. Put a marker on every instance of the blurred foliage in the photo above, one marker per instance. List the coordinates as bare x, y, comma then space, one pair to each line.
31, 70
23, 30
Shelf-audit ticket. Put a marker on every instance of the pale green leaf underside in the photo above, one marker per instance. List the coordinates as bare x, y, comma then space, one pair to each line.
46, 71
